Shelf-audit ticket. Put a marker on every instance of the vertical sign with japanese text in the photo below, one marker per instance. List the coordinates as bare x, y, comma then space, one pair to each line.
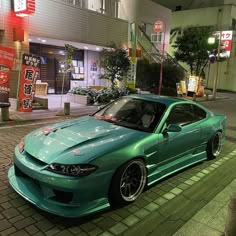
29, 75
6, 64
225, 42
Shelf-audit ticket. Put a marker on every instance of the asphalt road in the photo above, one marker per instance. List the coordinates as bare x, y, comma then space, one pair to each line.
161, 210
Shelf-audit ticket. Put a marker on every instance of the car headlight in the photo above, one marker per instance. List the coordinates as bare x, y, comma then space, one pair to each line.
21, 145
71, 170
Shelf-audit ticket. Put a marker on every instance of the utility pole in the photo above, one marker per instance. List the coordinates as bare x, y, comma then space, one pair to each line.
217, 70
159, 28
218, 56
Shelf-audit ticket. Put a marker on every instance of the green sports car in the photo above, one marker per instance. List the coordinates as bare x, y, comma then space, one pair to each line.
80, 166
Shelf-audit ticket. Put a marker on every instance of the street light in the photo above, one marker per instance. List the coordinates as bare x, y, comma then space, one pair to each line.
211, 40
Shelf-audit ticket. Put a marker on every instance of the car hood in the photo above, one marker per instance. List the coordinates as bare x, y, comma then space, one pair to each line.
84, 138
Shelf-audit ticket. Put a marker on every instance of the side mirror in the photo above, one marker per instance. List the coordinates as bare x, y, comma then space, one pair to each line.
173, 128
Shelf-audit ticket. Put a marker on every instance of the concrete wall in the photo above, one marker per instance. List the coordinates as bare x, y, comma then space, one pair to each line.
230, 2
211, 16
227, 73
146, 11
187, 4
149, 12
129, 10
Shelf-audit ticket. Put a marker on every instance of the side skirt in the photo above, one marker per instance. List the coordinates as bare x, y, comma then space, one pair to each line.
173, 167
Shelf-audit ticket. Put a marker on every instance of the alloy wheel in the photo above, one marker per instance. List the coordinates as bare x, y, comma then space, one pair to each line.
133, 180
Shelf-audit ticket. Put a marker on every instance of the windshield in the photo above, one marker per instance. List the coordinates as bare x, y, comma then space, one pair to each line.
133, 113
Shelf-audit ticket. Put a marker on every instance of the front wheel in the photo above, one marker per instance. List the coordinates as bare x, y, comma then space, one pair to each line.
214, 145
128, 182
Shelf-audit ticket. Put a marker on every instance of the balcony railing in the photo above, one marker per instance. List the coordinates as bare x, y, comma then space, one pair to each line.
152, 51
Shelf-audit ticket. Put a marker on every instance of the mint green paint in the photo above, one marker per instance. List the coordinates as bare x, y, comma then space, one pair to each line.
107, 146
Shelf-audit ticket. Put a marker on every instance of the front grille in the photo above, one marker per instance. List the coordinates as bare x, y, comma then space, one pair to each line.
58, 196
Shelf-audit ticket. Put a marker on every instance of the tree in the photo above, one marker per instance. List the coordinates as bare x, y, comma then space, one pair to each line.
115, 63
192, 48
148, 75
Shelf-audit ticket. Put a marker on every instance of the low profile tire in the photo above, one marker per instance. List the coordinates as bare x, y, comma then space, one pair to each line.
128, 182
214, 146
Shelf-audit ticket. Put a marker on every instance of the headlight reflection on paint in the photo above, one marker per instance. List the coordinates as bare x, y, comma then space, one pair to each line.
21, 145
71, 170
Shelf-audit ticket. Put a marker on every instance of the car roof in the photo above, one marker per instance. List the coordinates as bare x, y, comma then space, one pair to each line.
161, 99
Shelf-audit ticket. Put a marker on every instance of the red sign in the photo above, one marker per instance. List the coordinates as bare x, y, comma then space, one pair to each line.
225, 41
24, 7
158, 26
29, 75
6, 64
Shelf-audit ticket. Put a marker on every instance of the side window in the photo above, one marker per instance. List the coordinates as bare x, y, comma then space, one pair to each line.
181, 114
199, 113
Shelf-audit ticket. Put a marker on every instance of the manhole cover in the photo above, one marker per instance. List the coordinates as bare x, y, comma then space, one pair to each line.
4, 161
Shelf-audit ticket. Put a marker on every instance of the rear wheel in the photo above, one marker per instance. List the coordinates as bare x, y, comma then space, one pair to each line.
128, 182
214, 145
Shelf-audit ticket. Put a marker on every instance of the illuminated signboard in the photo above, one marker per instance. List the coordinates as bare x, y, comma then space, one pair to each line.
225, 42
24, 7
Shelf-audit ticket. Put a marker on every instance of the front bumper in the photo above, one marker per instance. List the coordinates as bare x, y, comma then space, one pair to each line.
60, 195
32, 193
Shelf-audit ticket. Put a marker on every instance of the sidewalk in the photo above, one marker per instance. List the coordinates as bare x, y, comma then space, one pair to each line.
211, 219
55, 107
197, 207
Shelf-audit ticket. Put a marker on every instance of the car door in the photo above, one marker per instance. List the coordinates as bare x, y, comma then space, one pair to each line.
175, 149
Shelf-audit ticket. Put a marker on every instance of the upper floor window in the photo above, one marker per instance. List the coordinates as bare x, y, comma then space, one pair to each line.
108, 7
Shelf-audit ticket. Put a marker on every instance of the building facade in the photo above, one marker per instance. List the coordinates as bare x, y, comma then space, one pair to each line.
179, 5
88, 25
219, 15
